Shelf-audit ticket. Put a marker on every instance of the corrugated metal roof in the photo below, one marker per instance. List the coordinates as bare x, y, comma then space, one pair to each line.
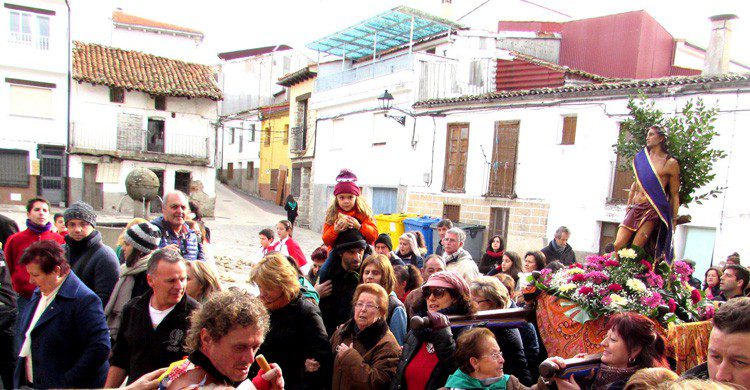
232, 55
383, 32
127, 20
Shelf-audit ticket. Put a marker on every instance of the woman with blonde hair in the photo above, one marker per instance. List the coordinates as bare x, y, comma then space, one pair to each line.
378, 269
297, 341
649, 378
201, 281
408, 250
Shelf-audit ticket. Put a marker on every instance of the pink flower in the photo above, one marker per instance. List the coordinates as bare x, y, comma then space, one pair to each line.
585, 290
606, 300
695, 296
708, 312
596, 276
646, 264
652, 300
577, 278
654, 280
672, 305
612, 263
576, 265
614, 287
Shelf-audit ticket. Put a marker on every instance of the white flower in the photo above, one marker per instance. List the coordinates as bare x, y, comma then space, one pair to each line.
618, 300
636, 285
567, 287
628, 253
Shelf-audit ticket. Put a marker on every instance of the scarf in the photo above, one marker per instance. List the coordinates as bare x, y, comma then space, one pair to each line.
38, 229
461, 380
292, 205
556, 247
495, 255
608, 375
202, 361
123, 291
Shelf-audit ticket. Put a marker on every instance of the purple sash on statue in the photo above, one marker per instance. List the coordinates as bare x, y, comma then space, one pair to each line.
646, 176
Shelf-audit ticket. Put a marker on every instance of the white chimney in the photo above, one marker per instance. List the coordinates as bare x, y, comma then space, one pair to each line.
717, 54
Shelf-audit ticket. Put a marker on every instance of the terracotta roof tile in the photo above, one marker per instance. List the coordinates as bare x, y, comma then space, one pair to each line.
119, 17
133, 70
621, 87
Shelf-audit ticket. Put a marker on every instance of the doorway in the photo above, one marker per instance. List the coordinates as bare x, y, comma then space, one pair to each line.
93, 192
51, 173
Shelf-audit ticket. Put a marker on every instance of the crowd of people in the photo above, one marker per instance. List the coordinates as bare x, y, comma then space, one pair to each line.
152, 313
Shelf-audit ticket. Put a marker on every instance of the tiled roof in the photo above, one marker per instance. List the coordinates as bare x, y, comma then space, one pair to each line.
296, 77
132, 70
233, 55
621, 87
561, 68
119, 17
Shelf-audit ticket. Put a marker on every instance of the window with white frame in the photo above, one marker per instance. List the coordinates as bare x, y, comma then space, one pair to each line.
29, 29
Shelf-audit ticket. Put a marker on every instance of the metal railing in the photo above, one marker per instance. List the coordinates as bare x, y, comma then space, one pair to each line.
297, 141
174, 144
446, 79
363, 72
27, 39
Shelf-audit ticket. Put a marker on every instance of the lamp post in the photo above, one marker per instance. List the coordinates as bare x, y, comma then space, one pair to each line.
386, 103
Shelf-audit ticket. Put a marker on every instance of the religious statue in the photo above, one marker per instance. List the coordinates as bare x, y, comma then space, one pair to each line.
654, 198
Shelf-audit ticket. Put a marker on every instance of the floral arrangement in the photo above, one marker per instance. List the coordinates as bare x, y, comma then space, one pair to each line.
606, 285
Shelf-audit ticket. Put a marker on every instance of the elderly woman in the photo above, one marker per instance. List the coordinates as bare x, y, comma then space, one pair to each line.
631, 343
201, 281
69, 346
489, 294
378, 269
297, 341
427, 358
408, 250
480, 363
366, 353
138, 242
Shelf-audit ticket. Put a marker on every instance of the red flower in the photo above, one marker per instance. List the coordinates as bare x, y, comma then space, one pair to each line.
646, 264
611, 263
695, 296
576, 265
672, 305
585, 290
614, 287
577, 278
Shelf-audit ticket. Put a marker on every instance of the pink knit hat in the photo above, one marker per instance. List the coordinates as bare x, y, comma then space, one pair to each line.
448, 279
346, 183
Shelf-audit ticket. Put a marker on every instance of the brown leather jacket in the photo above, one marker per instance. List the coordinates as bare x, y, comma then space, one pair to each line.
372, 361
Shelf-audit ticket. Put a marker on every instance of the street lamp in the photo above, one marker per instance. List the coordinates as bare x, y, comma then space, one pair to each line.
386, 103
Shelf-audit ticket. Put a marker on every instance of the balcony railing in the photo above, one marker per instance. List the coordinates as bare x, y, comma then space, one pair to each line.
135, 142
364, 72
446, 79
297, 141
29, 40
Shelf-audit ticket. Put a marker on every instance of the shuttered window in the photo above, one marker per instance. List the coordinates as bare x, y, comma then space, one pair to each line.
14, 168
452, 212
569, 130
504, 159
456, 154
621, 181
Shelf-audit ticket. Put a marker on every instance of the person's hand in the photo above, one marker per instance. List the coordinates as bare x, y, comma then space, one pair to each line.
557, 361
567, 384
438, 320
340, 225
343, 348
148, 381
274, 377
324, 289
311, 365
354, 223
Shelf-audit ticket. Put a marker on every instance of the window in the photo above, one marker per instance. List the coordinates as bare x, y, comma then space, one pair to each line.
452, 212
274, 181
456, 153
622, 180
29, 29
231, 135
286, 134
267, 136
569, 130
504, 159
14, 168
250, 169
240, 144
155, 135
31, 99
251, 138
230, 171
160, 103
117, 95
499, 222
296, 181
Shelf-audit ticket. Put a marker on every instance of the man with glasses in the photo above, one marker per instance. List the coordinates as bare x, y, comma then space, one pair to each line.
457, 259
93, 262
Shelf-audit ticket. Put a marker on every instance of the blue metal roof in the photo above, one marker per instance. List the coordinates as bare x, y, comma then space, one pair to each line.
383, 32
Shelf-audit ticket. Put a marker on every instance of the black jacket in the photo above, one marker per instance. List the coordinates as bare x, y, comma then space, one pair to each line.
297, 333
698, 372
139, 348
94, 263
412, 258
445, 347
337, 307
487, 264
7, 295
567, 257
8, 227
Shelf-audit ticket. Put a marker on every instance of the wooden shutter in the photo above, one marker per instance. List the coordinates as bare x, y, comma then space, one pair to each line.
569, 130
456, 154
504, 159
452, 212
623, 179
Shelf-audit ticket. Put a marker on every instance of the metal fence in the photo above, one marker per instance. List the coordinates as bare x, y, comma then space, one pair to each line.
364, 72
174, 143
446, 79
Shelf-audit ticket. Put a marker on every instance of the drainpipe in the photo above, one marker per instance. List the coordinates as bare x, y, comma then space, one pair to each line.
66, 195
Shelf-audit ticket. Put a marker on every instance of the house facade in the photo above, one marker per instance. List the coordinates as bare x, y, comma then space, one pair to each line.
132, 109
275, 176
34, 43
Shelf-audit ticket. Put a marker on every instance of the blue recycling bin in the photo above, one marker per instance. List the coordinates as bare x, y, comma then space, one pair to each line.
422, 224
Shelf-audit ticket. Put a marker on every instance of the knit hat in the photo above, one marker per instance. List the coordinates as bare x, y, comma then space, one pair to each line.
448, 279
144, 236
349, 239
80, 210
345, 183
384, 238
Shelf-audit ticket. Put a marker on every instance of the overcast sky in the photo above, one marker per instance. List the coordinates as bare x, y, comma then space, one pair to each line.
239, 24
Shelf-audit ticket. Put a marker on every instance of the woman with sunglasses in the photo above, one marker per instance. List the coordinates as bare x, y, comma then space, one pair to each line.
427, 357
365, 351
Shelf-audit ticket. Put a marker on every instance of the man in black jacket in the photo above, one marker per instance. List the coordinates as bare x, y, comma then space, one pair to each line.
8, 315
350, 248
93, 262
154, 325
8, 227
559, 249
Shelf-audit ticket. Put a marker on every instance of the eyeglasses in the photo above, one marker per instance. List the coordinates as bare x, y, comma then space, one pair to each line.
364, 306
449, 239
436, 292
494, 356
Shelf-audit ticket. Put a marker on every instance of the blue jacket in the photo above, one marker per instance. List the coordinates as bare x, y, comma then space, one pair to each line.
190, 246
70, 342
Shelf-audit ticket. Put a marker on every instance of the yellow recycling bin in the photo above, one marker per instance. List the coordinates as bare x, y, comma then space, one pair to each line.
393, 225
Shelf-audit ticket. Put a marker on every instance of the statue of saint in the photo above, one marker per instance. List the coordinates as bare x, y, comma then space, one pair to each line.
654, 198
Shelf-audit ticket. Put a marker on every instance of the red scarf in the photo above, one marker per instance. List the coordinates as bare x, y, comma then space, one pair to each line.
495, 255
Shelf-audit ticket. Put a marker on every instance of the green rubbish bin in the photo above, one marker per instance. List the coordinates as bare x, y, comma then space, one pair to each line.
474, 243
